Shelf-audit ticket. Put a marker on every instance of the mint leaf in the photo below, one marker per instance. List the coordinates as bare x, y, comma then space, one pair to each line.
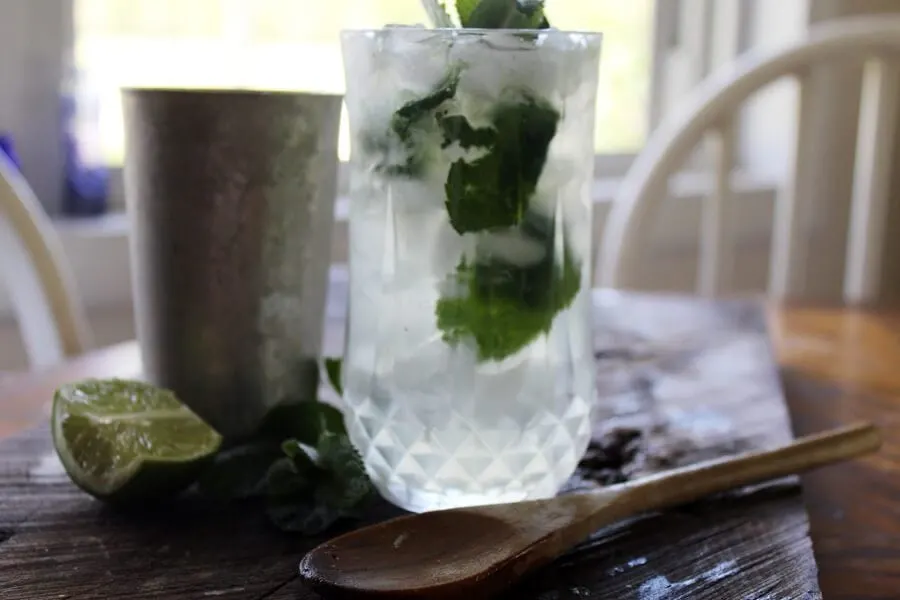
408, 147
457, 130
504, 302
464, 9
333, 367
495, 190
305, 421
415, 110
303, 455
502, 306
536, 280
506, 14
311, 489
301, 461
239, 472
283, 479
291, 489
348, 485
499, 328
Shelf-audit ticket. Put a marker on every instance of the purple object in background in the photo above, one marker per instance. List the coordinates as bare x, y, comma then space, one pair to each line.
8, 147
86, 182
85, 187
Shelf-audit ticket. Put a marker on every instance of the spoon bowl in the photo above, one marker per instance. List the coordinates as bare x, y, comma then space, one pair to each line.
453, 553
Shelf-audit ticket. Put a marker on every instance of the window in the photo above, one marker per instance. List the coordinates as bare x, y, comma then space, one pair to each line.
293, 44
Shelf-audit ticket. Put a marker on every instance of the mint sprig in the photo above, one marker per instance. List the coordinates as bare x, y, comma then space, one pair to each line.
499, 300
301, 463
239, 473
502, 14
489, 14
333, 368
465, 8
503, 301
311, 489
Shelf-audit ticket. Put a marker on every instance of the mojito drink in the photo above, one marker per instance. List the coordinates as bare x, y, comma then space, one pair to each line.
468, 369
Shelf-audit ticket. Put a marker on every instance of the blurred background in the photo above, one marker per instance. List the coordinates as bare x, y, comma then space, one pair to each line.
62, 63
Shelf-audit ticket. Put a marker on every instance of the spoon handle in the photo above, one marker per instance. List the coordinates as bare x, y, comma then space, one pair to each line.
697, 481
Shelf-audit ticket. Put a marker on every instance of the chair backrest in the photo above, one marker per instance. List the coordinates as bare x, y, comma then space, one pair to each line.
36, 275
712, 112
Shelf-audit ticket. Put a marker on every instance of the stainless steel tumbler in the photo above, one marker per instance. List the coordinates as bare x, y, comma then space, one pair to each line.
231, 202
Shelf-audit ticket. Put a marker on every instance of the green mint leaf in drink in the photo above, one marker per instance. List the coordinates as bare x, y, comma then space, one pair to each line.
413, 111
465, 8
333, 368
499, 328
508, 296
503, 14
495, 190
412, 141
456, 129
519, 265
239, 472
510, 292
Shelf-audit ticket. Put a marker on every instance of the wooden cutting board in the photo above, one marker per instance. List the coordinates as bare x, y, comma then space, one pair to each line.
679, 380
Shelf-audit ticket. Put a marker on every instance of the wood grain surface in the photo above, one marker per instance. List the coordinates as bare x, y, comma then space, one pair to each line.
838, 366
686, 379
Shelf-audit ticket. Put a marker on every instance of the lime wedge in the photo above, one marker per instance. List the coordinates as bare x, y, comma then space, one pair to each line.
125, 440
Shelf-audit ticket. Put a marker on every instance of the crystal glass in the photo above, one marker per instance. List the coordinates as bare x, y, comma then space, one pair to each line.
468, 367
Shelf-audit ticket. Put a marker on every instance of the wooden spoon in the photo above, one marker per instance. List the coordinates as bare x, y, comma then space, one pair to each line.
476, 552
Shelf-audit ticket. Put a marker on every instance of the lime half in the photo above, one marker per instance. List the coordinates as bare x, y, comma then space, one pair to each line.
127, 440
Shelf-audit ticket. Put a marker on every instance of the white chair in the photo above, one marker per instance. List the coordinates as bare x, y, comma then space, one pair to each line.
36, 275
712, 110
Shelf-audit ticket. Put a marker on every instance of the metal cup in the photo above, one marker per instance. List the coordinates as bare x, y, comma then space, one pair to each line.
231, 202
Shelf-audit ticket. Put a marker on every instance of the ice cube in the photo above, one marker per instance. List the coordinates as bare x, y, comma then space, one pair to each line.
500, 62
413, 363
511, 246
516, 387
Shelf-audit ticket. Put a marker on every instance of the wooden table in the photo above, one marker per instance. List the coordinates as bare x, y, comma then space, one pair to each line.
837, 366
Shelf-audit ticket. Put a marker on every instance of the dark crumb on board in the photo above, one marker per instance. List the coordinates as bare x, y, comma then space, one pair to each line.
608, 456
622, 452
